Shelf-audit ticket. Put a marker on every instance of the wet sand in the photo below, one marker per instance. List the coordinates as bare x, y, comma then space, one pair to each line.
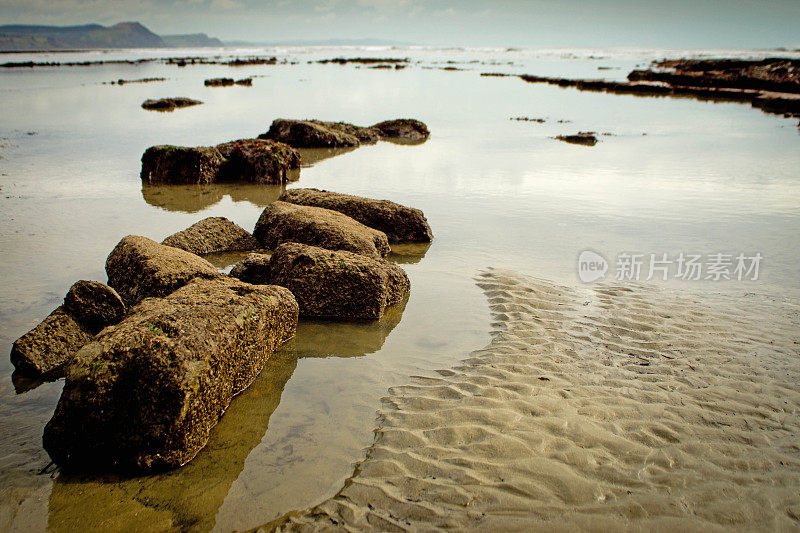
601, 407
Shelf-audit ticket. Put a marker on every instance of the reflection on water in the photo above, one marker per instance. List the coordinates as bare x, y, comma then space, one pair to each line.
224, 261
312, 156
409, 253
194, 198
189, 497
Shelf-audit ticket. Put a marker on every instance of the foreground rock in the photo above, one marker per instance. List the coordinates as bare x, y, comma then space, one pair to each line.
283, 222
88, 308
398, 222
250, 160
252, 269
337, 284
94, 305
585, 139
168, 104
180, 165
140, 268
212, 235
145, 395
257, 161
320, 134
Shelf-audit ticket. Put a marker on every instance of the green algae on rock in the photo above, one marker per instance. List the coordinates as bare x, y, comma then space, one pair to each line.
212, 235
145, 394
140, 268
88, 307
337, 284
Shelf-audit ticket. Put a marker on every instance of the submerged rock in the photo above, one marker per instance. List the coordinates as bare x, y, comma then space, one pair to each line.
88, 307
146, 394
403, 128
44, 350
283, 222
398, 222
257, 161
140, 268
337, 284
585, 139
309, 134
180, 164
94, 305
168, 104
212, 235
252, 269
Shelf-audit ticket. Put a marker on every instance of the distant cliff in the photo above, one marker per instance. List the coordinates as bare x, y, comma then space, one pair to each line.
94, 36
190, 40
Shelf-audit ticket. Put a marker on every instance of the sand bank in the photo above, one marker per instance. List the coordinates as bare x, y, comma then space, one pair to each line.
602, 407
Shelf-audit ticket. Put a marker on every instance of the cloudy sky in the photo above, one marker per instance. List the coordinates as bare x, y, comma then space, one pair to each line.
674, 23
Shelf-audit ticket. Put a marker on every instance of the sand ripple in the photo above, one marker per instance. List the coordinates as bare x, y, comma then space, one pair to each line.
602, 407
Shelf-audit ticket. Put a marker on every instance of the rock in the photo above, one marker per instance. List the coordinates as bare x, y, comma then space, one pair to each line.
247, 82
309, 134
399, 223
403, 128
145, 394
284, 222
257, 161
252, 269
178, 164
139, 268
167, 104
44, 350
94, 305
585, 139
364, 135
211, 235
218, 82
337, 284
88, 307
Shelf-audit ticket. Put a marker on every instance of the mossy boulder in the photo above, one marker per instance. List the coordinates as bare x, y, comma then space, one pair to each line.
257, 161
94, 305
180, 164
212, 235
337, 284
140, 268
283, 222
45, 350
309, 134
145, 394
400, 223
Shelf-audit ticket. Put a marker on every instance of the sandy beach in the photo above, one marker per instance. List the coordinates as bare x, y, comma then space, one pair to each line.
603, 407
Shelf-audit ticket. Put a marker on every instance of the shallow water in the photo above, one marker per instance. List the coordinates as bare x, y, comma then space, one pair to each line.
677, 175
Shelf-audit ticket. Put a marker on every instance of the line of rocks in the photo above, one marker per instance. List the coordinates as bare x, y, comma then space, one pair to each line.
153, 359
271, 157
